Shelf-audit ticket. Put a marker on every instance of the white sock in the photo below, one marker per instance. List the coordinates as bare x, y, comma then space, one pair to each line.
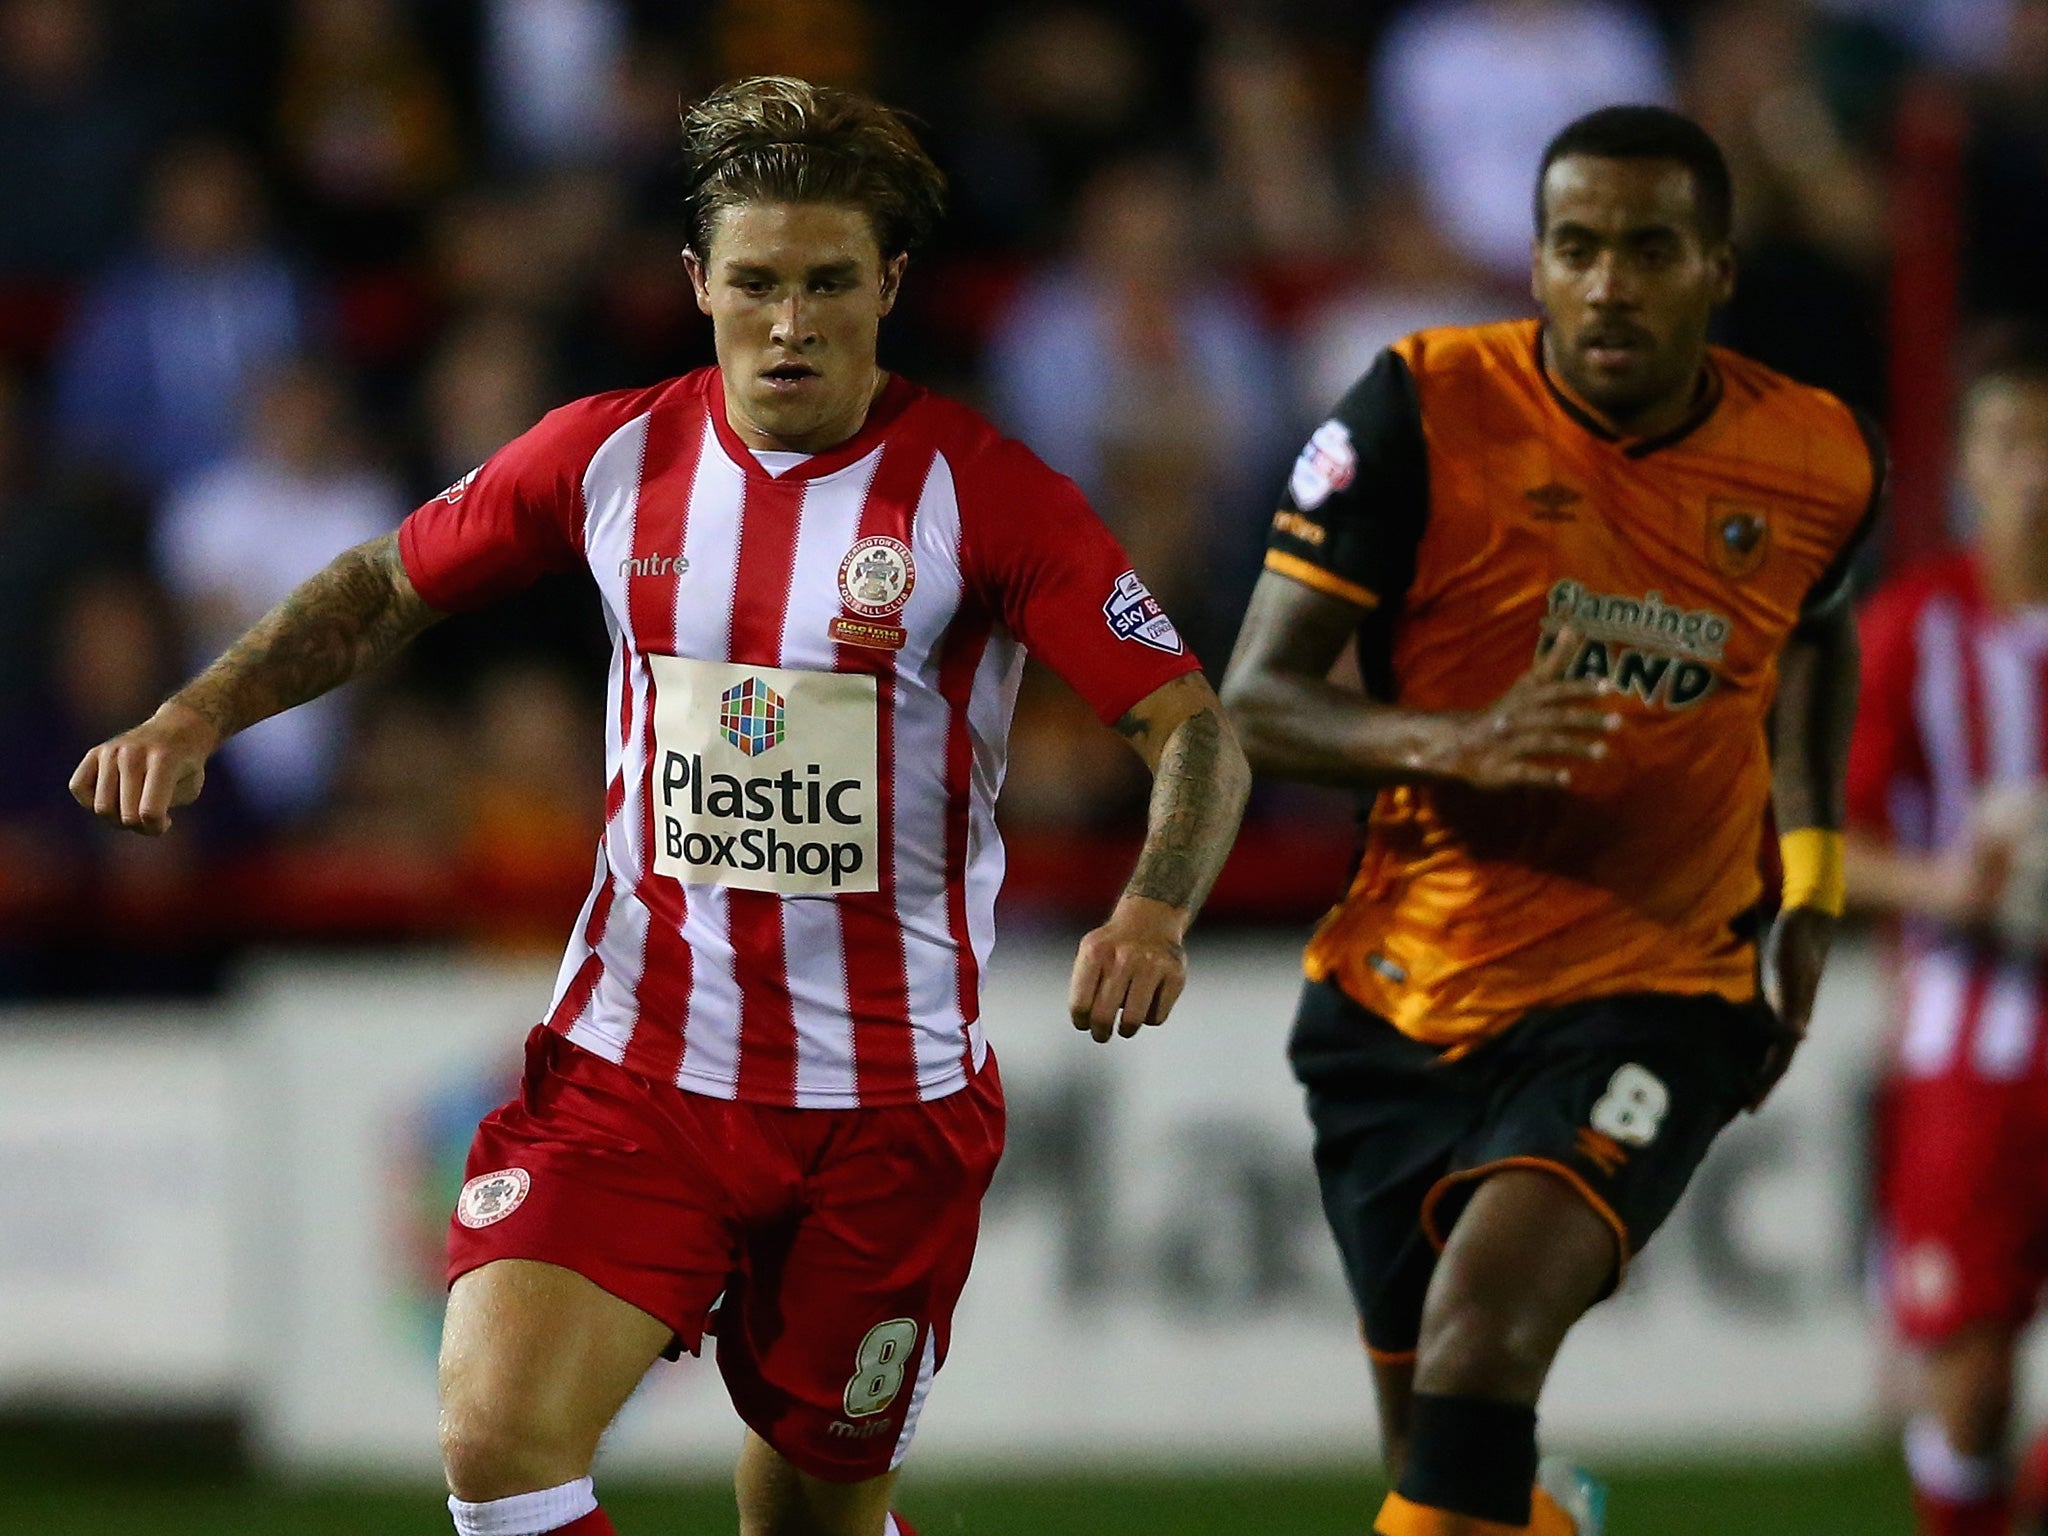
525, 1514
1942, 1472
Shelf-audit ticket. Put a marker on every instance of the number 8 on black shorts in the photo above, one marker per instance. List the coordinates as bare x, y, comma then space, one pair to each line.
1620, 1096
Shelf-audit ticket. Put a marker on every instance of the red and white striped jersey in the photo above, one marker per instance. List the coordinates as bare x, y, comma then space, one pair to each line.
811, 683
1954, 702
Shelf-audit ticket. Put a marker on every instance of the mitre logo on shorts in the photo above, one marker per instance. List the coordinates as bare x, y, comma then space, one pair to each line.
491, 1197
1326, 465
1135, 614
765, 779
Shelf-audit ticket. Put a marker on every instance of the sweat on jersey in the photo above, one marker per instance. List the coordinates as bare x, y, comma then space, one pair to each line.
810, 692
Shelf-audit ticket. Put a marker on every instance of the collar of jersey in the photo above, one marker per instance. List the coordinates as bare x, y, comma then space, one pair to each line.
1704, 407
895, 398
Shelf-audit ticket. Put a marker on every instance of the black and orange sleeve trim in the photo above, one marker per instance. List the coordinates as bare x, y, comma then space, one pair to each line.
1309, 574
1350, 523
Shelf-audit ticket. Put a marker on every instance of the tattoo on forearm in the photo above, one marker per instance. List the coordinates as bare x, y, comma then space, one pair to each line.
352, 616
1198, 793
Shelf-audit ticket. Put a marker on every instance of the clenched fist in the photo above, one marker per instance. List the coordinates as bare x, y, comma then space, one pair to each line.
136, 780
1130, 971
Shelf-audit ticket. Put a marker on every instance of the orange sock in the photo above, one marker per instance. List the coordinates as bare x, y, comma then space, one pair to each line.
1398, 1517
1546, 1519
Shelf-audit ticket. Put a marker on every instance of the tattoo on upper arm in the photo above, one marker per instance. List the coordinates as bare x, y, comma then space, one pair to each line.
350, 617
1132, 726
1192, 810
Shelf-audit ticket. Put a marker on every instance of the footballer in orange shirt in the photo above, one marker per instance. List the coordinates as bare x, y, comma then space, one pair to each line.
1581, 559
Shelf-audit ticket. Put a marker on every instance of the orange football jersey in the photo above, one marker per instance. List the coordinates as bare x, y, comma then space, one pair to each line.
1473, 508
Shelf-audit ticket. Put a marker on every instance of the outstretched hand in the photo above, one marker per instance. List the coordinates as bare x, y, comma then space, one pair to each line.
1519, 739
1130, 971
137, 779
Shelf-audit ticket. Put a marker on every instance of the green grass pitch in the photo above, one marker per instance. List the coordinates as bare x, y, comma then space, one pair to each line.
1843, 1498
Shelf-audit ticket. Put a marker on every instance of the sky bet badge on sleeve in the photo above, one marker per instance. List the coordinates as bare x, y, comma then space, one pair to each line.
1135, 614
765, 779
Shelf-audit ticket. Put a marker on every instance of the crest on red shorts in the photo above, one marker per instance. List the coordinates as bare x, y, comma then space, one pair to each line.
491, 1197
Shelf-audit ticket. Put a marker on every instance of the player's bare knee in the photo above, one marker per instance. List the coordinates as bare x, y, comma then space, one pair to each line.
1476, 1348
487, 1453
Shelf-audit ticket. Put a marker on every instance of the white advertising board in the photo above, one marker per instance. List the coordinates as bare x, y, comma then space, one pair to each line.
118, 1210
1154, 1279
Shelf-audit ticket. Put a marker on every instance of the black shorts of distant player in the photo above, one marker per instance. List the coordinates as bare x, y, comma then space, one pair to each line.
1620, 1096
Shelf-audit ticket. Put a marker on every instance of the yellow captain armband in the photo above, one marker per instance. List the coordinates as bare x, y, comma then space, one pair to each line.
1813, 870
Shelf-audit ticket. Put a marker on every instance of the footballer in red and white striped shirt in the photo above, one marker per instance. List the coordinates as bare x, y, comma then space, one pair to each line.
1948, 804
761, 1084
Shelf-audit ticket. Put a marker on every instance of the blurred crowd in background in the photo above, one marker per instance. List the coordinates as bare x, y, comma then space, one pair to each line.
274, 271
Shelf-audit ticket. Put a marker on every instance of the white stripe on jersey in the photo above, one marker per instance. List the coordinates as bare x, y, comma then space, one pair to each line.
710, 1060
2004, 1047
1978, 708
919, 782
1938, 992
1941, 692
2012, 718
611, 499
828, 525
579, 949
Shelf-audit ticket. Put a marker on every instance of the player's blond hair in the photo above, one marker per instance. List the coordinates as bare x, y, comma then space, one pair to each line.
775, 138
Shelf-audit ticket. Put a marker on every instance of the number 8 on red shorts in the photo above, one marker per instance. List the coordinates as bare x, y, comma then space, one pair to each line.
839, 1242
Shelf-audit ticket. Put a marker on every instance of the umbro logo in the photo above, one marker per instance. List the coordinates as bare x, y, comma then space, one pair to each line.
1552, 503
655, 565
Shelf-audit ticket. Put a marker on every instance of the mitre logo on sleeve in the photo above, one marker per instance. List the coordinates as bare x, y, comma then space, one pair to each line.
1135, 614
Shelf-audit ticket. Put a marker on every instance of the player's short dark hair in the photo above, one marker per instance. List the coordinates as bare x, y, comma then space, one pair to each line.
2005, 350
1651, 133
780, 139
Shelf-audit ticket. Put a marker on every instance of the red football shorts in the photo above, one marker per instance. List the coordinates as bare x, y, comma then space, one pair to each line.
838, 1238
1963, 1187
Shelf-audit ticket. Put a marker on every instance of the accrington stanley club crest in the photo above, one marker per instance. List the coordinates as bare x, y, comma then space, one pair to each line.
875, 582
1738, 537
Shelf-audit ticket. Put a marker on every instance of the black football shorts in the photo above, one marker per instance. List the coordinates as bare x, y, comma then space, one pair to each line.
1621, 1096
